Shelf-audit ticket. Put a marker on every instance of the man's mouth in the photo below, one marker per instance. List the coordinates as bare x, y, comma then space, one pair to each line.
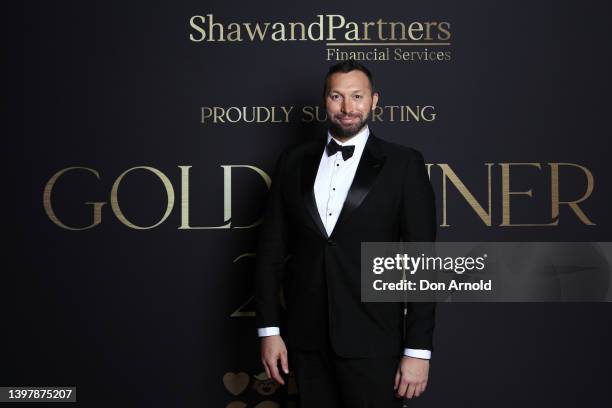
347, 119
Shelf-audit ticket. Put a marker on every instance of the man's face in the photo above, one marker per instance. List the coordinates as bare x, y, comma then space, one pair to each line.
349, 101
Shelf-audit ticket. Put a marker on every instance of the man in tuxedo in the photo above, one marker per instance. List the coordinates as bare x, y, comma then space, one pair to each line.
328, 196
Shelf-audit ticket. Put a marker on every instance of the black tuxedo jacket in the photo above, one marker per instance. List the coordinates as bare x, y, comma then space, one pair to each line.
390, 199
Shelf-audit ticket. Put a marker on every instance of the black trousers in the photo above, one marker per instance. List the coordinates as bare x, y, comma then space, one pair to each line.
326, 380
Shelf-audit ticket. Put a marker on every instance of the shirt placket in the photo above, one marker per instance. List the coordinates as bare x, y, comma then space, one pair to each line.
331, 207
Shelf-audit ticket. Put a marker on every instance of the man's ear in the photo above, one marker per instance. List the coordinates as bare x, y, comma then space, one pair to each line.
374, 100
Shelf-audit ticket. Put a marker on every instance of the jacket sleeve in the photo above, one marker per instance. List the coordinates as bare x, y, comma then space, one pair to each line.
271, 252
418, 224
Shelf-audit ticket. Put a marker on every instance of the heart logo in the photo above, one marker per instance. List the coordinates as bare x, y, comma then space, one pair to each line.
236, 404
236, 383
268, 404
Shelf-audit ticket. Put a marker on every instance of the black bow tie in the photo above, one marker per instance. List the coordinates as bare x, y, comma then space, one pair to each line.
333, 147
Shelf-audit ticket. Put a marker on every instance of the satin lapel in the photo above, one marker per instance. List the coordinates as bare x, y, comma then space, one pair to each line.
369, 166
310, 166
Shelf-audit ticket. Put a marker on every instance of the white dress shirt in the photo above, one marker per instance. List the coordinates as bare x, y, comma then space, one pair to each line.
332, 184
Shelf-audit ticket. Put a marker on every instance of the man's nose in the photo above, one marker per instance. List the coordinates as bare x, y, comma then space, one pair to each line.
347, 106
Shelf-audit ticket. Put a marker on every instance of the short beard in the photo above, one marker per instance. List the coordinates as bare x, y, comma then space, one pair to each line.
336, 128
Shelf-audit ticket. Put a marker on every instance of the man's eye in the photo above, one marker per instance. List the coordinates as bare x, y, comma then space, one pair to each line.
358, 96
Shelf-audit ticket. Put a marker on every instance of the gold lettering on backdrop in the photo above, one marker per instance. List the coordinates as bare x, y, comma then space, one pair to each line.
292, 25
115, 199
227, 197
227, 187
318, 24
227, 200
396, 113
313, 114
257, 32
333, 27
428, 166
326, 27
554, 184
382, 113
253, 114
448, 173
234, 32
194, 22
97, 206
444, 27
506, 194
241, 312
282, 114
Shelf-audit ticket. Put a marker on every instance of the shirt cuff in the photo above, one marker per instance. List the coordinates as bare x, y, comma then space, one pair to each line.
268, 331
418, 353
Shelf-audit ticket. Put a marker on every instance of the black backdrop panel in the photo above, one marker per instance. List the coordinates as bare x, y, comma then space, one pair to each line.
163, 316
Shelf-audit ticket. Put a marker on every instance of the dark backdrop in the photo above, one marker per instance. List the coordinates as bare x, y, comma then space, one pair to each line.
162, 316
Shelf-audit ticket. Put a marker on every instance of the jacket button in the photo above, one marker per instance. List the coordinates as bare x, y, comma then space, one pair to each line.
331, 242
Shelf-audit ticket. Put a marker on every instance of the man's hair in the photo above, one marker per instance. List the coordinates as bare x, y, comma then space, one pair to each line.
344, 67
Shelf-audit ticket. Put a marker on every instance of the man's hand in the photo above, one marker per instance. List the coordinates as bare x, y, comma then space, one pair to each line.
272, 349
411, 377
